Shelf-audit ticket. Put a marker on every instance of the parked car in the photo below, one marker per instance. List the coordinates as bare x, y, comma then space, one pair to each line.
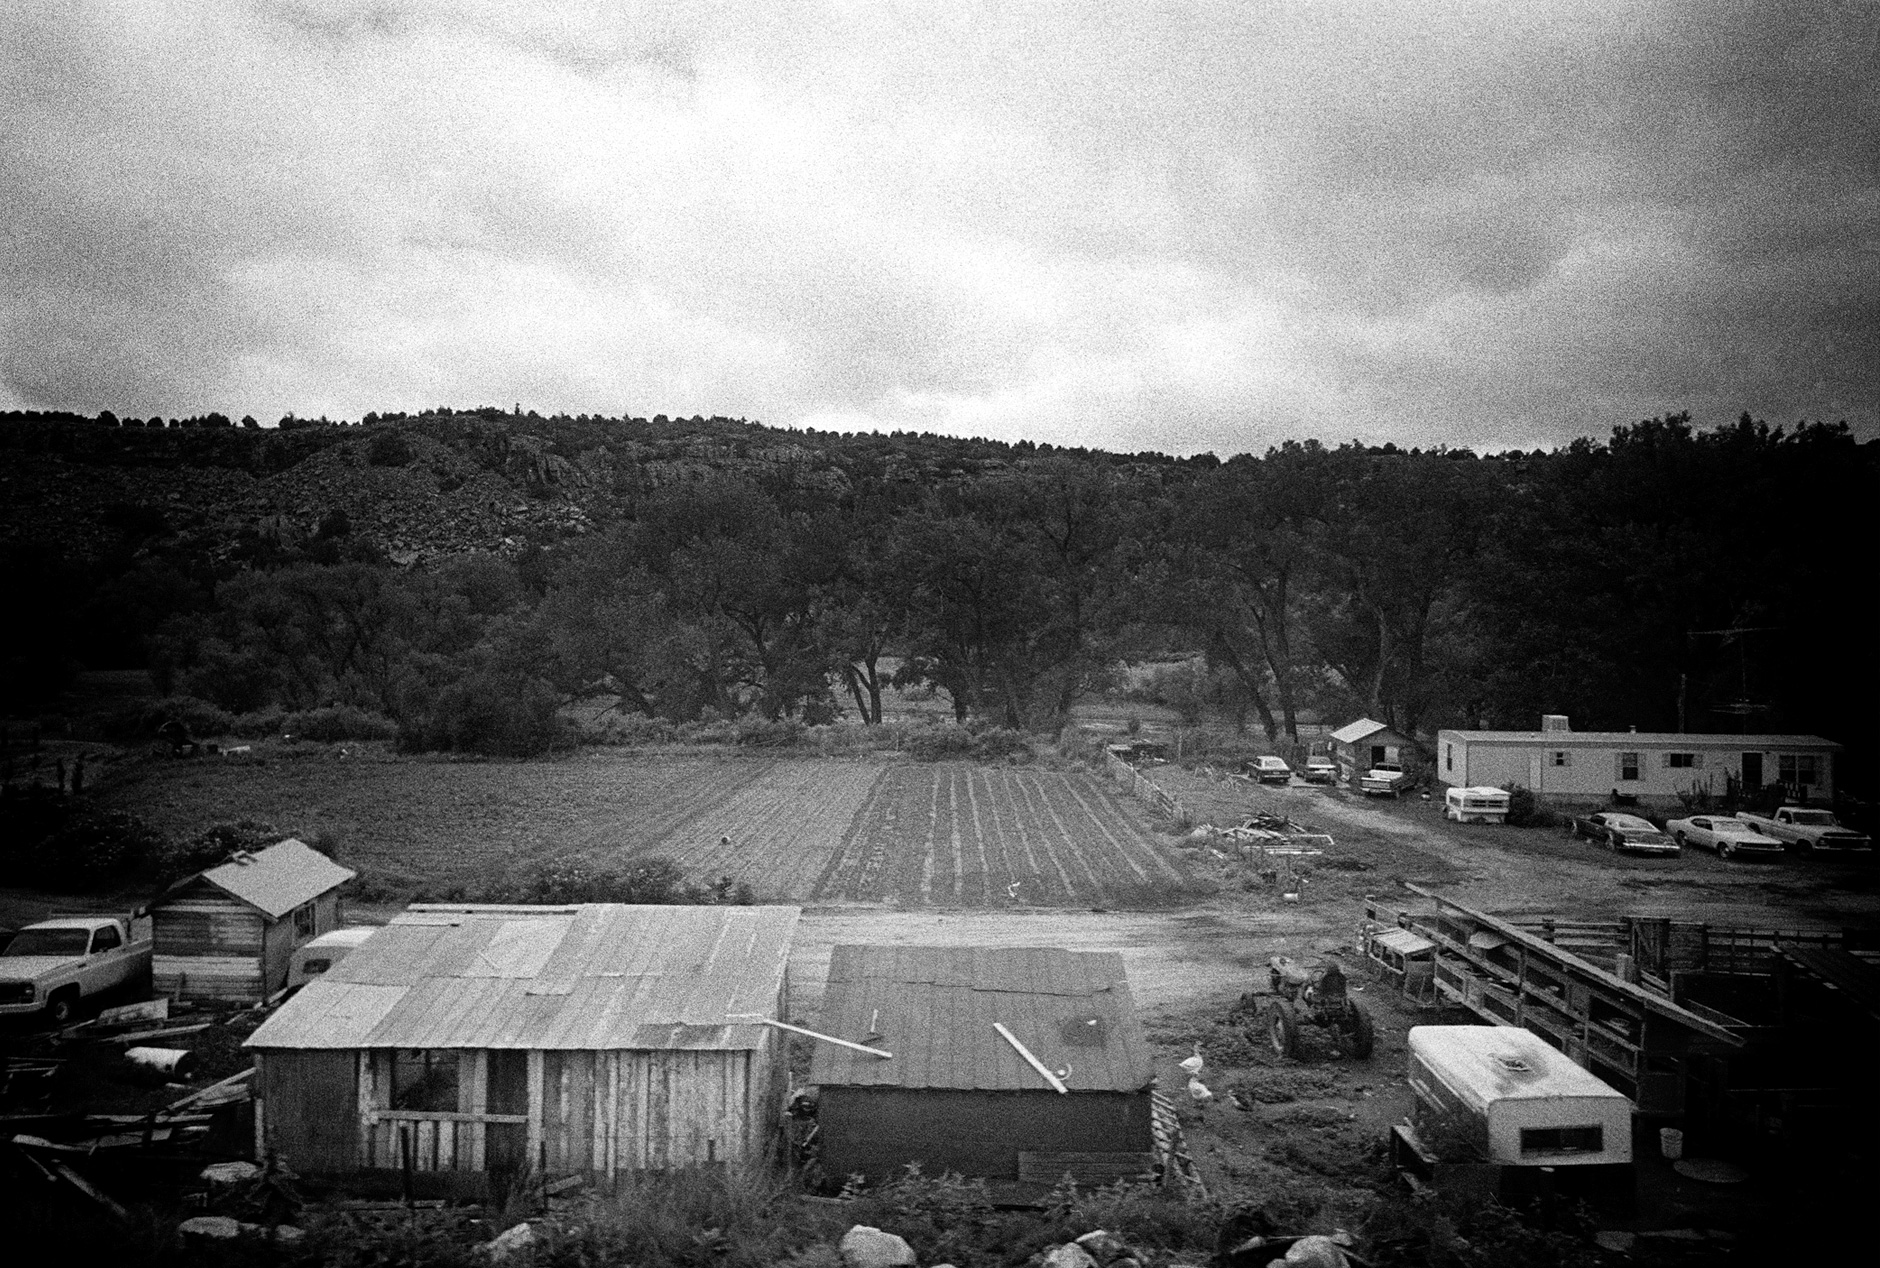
1270, 770
1807, 829
1320, 770
1622, 832
1727, 835
57, 964
1383, 780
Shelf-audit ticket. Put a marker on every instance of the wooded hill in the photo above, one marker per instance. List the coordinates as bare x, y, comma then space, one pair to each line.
463, 573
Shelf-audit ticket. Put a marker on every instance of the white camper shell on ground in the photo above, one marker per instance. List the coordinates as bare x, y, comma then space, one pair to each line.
1504, 1092
1481, 804
324, 952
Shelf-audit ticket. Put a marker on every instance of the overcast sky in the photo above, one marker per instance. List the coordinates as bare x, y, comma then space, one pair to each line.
1178, 226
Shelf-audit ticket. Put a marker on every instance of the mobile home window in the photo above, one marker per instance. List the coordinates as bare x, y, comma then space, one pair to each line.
1560, 757
1682, 761
1628, 766
1562, 1140
1798, 769
424, 1079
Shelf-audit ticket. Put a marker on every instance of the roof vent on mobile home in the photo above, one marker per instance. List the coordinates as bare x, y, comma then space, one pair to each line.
1554, 722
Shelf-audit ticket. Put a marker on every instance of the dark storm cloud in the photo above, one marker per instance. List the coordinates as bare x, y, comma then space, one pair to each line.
1207, 226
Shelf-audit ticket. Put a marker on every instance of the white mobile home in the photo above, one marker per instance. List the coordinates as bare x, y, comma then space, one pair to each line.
1584, 767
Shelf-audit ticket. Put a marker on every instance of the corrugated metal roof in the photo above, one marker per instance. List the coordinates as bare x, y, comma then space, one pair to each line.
1352, 732
597, 976
1644, 739
278, 879
934, 1009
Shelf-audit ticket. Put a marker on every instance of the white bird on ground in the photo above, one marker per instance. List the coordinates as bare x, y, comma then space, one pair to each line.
1191, 1066
1199, 1094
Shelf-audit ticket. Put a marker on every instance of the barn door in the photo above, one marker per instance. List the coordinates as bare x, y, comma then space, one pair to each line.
506, 1145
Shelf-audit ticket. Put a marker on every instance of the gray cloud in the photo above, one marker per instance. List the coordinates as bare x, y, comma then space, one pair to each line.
1207, 226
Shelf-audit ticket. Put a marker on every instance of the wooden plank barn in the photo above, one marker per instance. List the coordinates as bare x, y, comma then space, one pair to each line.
228, 931
479, 1040
957, 1094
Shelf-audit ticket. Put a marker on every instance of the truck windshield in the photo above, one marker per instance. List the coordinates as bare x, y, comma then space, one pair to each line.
48, 942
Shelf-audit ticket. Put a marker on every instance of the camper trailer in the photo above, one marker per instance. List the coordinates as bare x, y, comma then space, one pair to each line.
315, 958
1476, 805
1499, 1111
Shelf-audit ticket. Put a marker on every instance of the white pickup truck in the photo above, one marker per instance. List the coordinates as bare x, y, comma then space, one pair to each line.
1807, 830
57, 964
1383, 780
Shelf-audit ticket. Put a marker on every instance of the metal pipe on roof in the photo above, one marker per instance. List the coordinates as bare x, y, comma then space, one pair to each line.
1036, 1064
813, 1034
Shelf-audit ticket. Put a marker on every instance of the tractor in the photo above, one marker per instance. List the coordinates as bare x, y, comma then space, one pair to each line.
1312, 993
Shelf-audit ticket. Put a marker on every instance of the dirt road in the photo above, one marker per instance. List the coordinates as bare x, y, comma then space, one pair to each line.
1175, 959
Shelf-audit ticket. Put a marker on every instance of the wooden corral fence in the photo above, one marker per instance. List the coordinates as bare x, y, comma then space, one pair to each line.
1664, 948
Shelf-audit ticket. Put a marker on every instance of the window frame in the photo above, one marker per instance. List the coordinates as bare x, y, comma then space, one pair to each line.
424, 1093
1631, 766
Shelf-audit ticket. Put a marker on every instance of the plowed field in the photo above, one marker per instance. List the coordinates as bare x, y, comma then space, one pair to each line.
959, 835
814, 830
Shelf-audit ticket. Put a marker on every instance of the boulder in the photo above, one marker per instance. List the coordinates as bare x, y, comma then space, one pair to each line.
1314, 1252
230, 1172
1069, 1255
1104, 1246
509, 1242
866, 1247
210, 1228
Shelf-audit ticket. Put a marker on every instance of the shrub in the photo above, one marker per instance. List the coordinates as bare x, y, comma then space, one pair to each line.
92, 849
1526, 811
213, 846
654, 880
936, 743
389, 448
769, 733
339, 722
202, 719
493, 714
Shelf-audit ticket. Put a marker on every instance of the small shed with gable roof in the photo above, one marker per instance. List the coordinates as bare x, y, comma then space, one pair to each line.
229, 931
959, 1096
1362, 745
480, 1040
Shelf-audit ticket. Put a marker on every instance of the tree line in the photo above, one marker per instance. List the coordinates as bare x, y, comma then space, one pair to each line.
1668, 577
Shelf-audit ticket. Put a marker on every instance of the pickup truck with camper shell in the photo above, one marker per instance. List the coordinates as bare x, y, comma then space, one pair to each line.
1622, 833
1383, 780
1730, 837
57, 965
1808, 829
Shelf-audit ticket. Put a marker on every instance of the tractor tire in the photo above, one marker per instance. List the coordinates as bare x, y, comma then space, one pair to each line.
1363, 1033
62, 1008
1282, 1028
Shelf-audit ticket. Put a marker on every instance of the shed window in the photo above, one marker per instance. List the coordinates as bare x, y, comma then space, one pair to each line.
424, 1079
1562, 1140
1560, 757
303, 921
1628, 766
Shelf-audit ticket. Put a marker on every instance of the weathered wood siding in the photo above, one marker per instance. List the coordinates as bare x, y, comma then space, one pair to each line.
207, 945
306, 1109
596, 1112
278, 943
877, 1131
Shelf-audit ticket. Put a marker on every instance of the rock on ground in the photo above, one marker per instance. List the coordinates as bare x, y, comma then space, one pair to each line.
866, 1247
